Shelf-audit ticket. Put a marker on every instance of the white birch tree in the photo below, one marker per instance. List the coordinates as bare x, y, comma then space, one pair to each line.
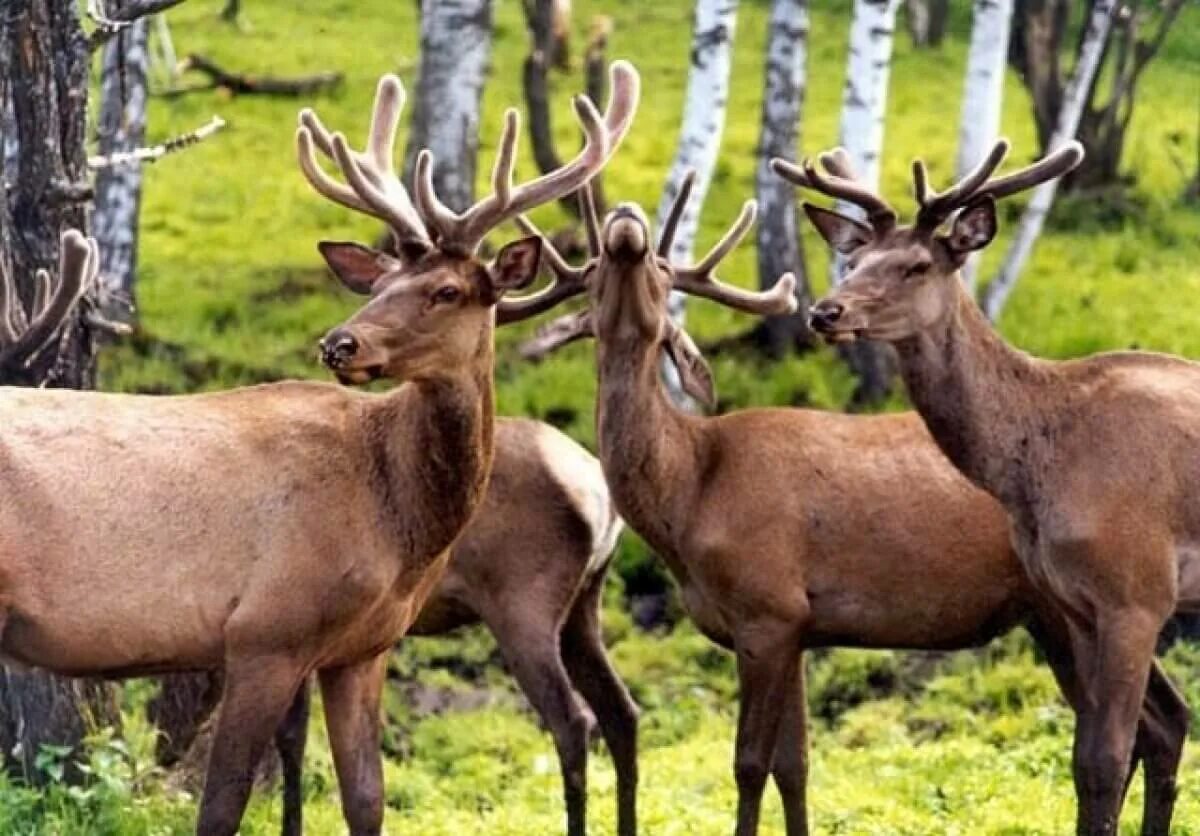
703, 120
456, 45
983, 93
1075, 98
777, 234
864, 106
122, 128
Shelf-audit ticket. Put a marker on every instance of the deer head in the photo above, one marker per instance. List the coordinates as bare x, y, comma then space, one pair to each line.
628, 282
431, 303
902, 280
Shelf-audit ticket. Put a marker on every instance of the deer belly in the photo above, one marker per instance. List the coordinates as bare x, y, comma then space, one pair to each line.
1188, 561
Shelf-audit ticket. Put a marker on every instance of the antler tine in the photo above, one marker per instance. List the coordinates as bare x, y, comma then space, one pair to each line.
558, 332
671, 226
8, 331
372, 185
591, 219
602, 135
78, 262
839, 183
567, 281
936, 206
699, 279
1055, 164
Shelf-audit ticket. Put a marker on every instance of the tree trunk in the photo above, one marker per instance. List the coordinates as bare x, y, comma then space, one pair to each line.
1038, 30
864, 105
983, 94
122, 127
456, 43
1074, 101
927, 21
1105, 120
778, 234
43, 82
699, 139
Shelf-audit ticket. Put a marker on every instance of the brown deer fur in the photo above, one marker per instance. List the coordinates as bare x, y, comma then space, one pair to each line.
784, 529
1094, 459
531, 567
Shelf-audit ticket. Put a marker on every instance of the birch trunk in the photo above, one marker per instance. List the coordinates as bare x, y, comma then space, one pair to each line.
43, 188
864, 106
122, 127
456, 45
778, 235
1074, 100
699, 138
983, 93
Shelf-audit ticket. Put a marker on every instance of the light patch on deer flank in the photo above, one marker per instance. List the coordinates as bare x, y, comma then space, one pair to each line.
579, 474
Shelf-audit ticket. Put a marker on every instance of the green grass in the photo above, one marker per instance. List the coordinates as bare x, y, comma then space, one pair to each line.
232, 291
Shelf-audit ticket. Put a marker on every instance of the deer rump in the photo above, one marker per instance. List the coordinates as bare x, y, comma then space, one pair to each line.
137, 532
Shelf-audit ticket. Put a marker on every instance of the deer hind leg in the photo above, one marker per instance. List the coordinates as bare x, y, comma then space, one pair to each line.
592, 673
790, 768
352, 695
767, 658
530, 646
1161, 734
257, 694
290, 740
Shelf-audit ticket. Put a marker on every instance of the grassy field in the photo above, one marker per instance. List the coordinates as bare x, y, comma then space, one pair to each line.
232, 291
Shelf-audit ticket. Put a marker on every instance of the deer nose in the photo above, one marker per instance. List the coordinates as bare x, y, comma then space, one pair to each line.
825, 314
337, 348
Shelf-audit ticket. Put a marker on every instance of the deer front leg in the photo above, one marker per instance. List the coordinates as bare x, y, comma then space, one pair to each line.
767, 655
790, 768
591, 671
1115, 658
256, 696
290, 740
351, 695
530, 646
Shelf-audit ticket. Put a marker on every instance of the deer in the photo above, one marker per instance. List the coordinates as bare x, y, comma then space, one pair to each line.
292, 528
530, 566
780, 525
1093, 459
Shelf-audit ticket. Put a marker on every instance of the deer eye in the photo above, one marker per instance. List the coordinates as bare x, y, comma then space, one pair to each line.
918, 269
447, 295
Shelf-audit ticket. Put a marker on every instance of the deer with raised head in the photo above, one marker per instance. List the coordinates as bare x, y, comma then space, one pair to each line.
1097, 460
289, 528
781, 525
531, 567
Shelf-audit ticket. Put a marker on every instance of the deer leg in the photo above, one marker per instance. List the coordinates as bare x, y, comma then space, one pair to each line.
290, 740
592, 673
790, 768
1119, 657
1161, 735
767, 655
1162, 729
530, 646
256, 697
351, 695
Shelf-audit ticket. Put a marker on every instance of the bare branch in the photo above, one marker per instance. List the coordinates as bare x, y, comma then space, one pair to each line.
155, 152
244, 84
110, 23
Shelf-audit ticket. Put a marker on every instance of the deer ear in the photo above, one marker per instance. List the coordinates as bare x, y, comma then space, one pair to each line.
516, 265
357, 267
974, 228
844, 234
694, 373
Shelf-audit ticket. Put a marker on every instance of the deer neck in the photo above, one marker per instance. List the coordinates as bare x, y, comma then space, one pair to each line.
979, 397
431, 446
649, 449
